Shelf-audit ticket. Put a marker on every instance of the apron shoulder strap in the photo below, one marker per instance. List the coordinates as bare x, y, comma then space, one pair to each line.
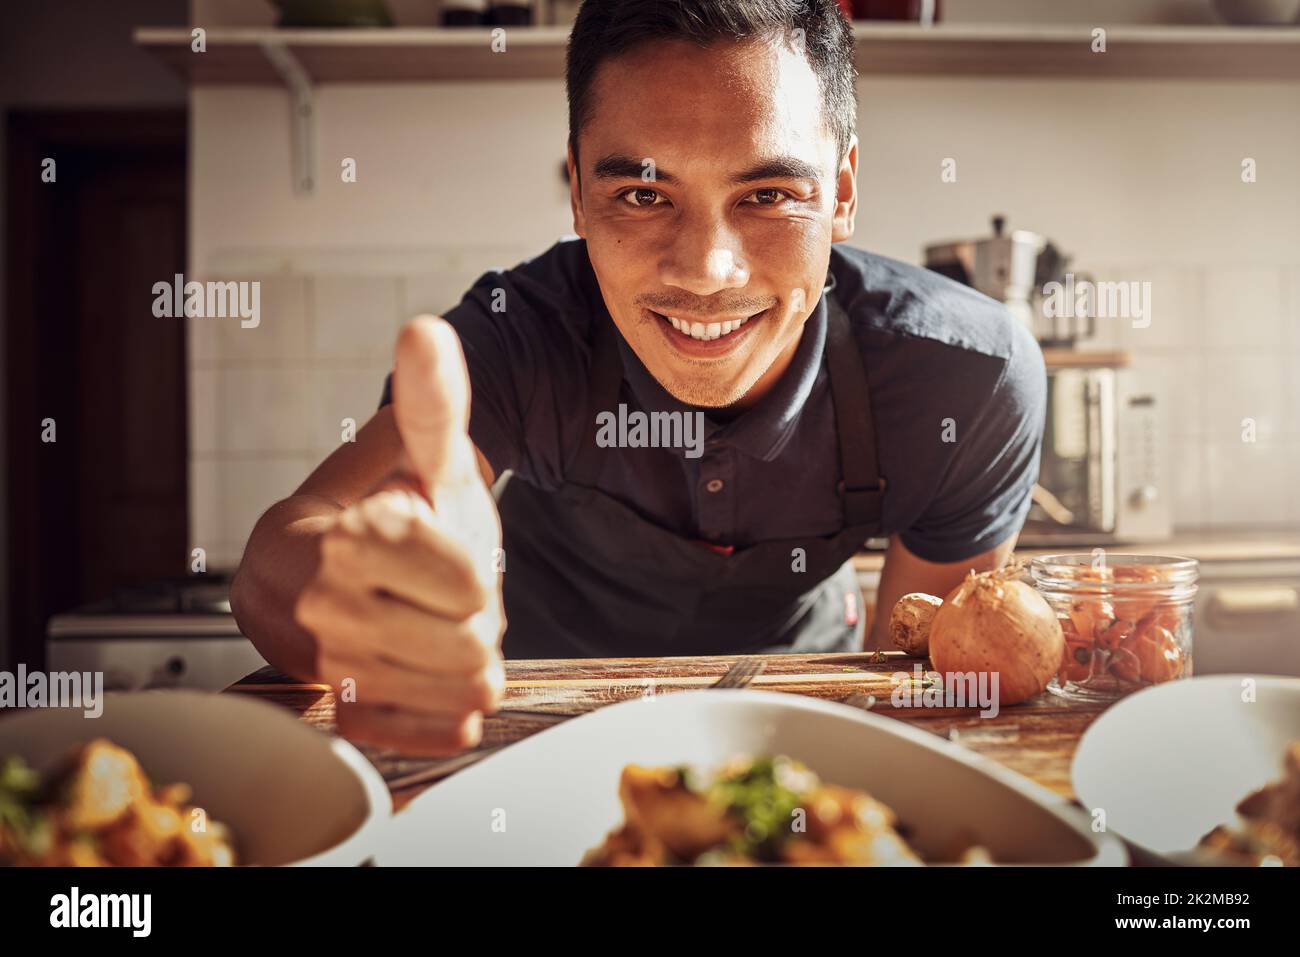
863, 487
605, 381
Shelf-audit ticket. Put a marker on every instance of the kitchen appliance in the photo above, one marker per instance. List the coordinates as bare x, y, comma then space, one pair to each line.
1102, 478
171, 634
1014, 268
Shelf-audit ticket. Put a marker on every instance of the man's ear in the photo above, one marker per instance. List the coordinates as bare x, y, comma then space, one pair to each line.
846, 195
575, 194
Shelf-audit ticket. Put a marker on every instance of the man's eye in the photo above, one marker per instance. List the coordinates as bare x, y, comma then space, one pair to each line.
639, 194
776, 195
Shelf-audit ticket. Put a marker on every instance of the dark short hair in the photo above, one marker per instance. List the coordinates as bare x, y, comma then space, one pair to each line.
605, 29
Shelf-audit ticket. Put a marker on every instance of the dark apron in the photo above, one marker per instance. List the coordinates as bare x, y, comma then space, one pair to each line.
588, 577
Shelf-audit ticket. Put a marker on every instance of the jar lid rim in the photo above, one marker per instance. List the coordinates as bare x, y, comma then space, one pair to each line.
1058, 570
1114, 560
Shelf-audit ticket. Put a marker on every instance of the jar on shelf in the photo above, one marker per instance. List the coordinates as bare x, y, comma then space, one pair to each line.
511, 13
464, 13
1127, 620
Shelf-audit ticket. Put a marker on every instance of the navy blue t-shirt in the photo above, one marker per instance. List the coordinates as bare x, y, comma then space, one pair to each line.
957, 390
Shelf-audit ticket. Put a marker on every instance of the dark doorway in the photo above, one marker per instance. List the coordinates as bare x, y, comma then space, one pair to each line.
105, 505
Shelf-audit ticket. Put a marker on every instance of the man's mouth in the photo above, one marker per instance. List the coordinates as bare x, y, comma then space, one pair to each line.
695, 335
704, 331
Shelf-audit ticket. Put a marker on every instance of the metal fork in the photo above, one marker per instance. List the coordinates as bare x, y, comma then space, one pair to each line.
860, 699
739, 675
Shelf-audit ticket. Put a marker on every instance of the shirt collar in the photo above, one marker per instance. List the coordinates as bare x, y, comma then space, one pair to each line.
763, 430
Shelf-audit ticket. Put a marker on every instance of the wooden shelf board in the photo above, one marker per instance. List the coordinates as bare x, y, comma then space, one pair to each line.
1057, 358
410, 54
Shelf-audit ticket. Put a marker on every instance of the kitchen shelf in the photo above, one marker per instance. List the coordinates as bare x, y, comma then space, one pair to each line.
237, 55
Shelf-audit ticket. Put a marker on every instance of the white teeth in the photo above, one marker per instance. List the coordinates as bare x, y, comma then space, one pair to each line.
706, 332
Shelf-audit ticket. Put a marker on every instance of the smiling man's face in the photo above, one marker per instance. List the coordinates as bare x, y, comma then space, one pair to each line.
732, 236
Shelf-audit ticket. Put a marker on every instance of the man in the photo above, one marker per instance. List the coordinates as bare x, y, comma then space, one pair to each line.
818, 395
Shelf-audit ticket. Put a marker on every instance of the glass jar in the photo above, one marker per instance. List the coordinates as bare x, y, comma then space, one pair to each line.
1127, 620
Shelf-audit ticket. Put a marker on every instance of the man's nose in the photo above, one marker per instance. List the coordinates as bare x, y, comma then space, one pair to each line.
704, 258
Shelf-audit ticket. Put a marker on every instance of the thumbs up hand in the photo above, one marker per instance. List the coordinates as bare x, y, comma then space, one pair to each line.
406, 603
431, 406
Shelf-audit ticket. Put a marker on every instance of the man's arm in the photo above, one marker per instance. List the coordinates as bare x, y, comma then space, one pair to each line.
283, 552
905, 573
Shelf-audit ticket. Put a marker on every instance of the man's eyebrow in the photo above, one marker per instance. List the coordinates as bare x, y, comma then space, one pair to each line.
778, 167
622, 166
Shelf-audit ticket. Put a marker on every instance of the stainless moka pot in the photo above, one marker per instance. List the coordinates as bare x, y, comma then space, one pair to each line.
1002, 266
1012, 268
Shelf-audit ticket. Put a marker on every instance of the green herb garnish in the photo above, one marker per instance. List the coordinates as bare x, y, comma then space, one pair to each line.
762, 798
19, 787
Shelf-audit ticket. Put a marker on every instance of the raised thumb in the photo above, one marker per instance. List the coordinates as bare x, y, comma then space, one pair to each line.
431, 401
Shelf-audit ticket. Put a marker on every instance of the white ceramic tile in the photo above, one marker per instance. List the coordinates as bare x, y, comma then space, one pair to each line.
354, 317
1164, 308
228, 495
1246, 386
338, 394
1248, 484
1291, 350
1243, 307
225, 556
204, 410
1291, 306
1186, 476
205, 503
1292, 478
254, 409
281, 332
433, 292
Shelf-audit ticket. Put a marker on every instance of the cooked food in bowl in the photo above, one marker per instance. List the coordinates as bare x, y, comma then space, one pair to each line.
763, 810
99, 808
1269, 832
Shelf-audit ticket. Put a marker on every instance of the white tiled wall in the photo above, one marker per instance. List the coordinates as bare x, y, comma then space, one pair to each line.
1222, 348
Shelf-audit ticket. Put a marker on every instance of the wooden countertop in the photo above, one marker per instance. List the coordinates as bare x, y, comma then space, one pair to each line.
1037, 738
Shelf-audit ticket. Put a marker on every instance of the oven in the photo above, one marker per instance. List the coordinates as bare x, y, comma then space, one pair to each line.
171, 634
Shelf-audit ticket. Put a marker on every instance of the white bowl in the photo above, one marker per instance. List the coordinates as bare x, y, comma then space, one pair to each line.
547, 799
290, 794
1169, 763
